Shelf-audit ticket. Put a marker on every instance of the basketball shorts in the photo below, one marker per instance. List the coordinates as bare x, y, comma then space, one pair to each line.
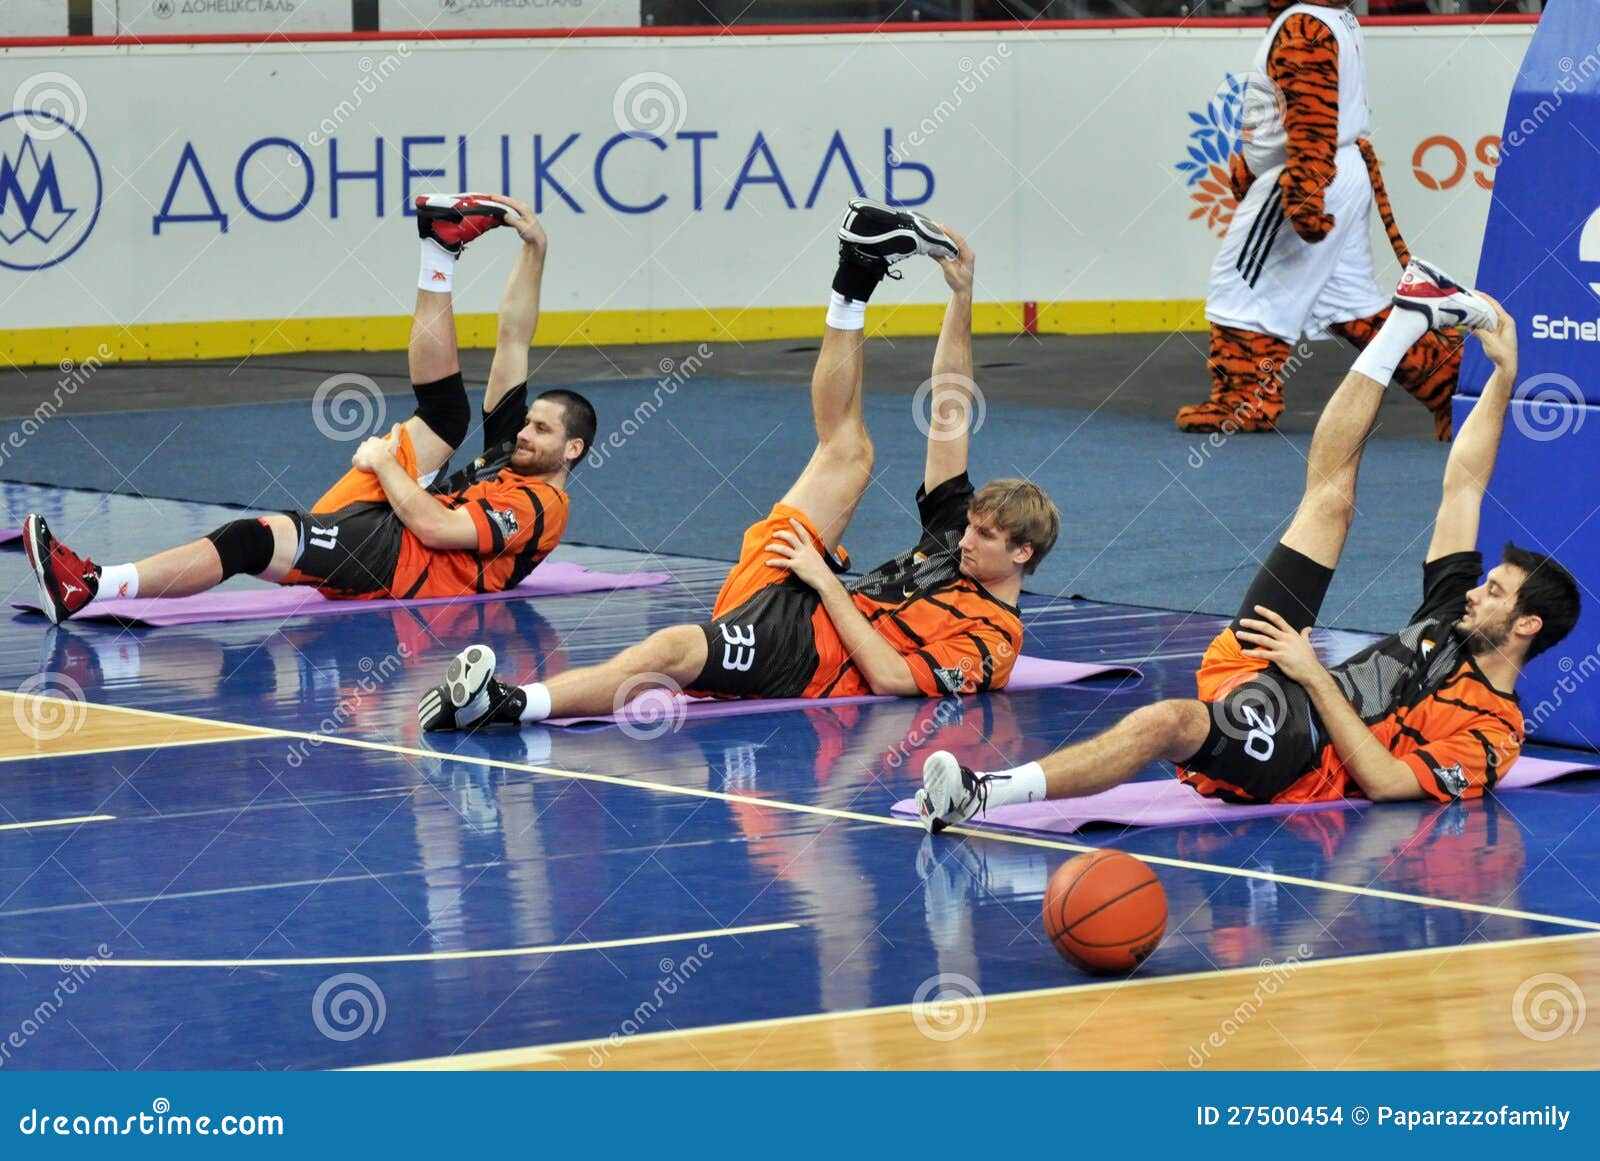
1266, 278
761, 641
1264, 734
354, 551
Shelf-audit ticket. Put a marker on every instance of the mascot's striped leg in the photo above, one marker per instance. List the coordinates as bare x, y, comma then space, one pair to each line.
1428, 372
1245, 392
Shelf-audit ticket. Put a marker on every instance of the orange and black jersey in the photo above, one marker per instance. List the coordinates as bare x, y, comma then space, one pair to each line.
1423, 696
955, 635
519, 520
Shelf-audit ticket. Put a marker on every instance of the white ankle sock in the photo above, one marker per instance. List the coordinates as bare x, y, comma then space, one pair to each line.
1019, 784
119, 580
538, 707
846, 314
1399, 334
438, 268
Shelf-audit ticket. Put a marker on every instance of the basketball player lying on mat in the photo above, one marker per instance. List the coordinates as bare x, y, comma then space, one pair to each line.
390, 527
1429, 712
938, 619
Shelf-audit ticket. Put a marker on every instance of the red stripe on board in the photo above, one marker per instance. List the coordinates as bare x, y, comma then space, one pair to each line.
706, 31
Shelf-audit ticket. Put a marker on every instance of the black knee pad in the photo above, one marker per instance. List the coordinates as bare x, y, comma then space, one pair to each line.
244, 546
443, 406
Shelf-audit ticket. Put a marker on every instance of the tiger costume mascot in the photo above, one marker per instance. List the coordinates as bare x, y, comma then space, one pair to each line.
1306, 162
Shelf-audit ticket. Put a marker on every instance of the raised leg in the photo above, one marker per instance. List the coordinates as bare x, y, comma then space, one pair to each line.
840, 469
1328, 506
434, 359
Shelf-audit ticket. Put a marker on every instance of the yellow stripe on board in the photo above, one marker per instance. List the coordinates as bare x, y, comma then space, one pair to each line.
409, 957
219, 340
57, 822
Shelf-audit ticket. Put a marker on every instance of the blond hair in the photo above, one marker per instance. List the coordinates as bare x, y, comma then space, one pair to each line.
1023, 512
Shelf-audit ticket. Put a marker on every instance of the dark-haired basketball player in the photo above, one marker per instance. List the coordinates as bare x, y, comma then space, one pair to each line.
941, 618
1428, 712
389, 528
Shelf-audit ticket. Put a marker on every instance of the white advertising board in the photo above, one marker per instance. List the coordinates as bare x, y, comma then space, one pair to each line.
274, 181
33, 18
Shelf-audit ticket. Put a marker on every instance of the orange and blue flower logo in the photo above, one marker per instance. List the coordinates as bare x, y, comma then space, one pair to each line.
1217, 135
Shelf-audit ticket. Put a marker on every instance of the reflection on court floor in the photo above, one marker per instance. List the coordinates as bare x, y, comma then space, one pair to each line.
229, 847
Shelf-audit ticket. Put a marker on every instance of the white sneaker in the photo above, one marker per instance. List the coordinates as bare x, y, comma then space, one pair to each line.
1428, 291
951, 793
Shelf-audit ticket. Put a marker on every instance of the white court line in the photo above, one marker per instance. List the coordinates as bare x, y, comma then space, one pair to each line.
912, 824
550, 1053
66, 964
57, 822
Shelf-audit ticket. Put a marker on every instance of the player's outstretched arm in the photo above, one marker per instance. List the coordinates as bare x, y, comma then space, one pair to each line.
951, 404
519, 308
1472, 456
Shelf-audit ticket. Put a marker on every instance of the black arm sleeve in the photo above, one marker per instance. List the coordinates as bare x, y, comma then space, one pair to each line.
1445, 584
501, 425
944, 510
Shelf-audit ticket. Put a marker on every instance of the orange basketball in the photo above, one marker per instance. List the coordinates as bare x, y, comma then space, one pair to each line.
1105, 911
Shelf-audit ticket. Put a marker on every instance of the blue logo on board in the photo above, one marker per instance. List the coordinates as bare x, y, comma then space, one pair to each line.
50, 189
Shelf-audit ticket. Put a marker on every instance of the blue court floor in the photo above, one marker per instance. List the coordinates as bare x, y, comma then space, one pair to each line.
531, 888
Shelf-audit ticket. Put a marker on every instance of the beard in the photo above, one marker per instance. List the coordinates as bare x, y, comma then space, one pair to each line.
1487, 638
534, 462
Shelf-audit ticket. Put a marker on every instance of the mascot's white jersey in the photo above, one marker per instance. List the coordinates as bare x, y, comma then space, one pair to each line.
1265, 141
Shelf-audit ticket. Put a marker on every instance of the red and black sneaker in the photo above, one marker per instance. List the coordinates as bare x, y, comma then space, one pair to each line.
67, 581
453, 220
1444, 303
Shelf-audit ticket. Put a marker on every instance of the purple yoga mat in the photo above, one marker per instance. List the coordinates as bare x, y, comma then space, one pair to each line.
650, 710
553, 578
1168, 802
7, 535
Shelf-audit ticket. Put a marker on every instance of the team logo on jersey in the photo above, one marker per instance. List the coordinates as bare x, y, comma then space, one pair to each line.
505, 520
1451, 779
1217, 134
1426, 649
50, 189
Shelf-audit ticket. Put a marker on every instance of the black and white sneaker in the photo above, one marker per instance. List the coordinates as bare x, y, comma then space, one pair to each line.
453, 220
951, 793
469, 697
874, 233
